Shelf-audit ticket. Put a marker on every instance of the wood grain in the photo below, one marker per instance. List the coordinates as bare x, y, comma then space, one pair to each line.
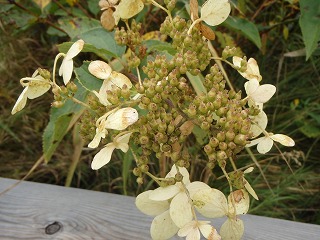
42, 211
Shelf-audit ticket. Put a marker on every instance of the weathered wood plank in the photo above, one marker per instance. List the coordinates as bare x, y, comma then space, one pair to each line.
42, 211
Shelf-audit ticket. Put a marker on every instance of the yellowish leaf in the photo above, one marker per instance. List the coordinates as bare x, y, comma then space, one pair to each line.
42, 3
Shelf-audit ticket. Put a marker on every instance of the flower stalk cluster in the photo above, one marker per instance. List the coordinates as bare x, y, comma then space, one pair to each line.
156, 113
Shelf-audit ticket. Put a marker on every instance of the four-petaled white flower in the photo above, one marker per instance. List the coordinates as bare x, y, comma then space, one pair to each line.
103, 157
252, 72
66, 67
264, 144
192, 231
180, 206
34, 87
171, 205
110, 78
213, 204
115, 119
258, 94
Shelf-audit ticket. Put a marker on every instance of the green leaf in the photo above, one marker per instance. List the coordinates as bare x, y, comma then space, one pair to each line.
60, 119
310, 130
103, 40
247, 28
310, 24
76, 26
126, 167
87, 80
159, 46
197, 83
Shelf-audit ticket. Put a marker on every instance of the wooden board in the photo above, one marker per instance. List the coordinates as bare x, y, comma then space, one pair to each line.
42, 211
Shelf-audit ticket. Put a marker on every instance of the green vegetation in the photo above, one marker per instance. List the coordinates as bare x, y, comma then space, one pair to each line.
281, 35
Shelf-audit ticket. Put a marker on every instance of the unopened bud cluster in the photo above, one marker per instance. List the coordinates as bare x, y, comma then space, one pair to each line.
61, 94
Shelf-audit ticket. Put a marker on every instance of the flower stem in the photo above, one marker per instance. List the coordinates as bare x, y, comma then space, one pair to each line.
54, 68
161, 7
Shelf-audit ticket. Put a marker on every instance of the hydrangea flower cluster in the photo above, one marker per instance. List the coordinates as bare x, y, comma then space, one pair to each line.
155, 110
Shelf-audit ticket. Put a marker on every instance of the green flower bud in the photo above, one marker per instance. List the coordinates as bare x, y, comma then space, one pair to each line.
178, 177
140, 180
57, 104
136, 171
144, 168
223, 146
240, 139
221, 136
214, 142
144, 140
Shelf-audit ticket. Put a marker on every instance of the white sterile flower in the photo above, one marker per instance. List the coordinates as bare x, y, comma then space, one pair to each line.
257, 93
180, 206
127, 9
192, 231
117, 120
264, 144
110, 78
34, 87
213, 204
66, 67
162, 226
214, 12
259, 123
252, 72
104, 155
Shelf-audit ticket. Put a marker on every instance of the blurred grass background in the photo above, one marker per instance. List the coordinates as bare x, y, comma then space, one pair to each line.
295, 110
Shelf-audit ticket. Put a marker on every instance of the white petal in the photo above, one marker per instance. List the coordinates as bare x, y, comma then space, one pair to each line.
250, 190
251, 86
209, 232
66, 70
163, 227
21, 101
119, 79
232, 229
97, 138
187, 228
128, 8
260, 124
253, 71
214, 12
38, 87
180, 209
122, 118
263, 93
196, 186
100, 69
237, 61
164, 193
255, 141
150, 207
122, 141
75, 49
265, 145
102, 157
211, 203
102, 98
241, 202
182, 170
283, 139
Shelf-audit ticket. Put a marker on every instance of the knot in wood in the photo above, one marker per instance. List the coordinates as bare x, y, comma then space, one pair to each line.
53, 228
